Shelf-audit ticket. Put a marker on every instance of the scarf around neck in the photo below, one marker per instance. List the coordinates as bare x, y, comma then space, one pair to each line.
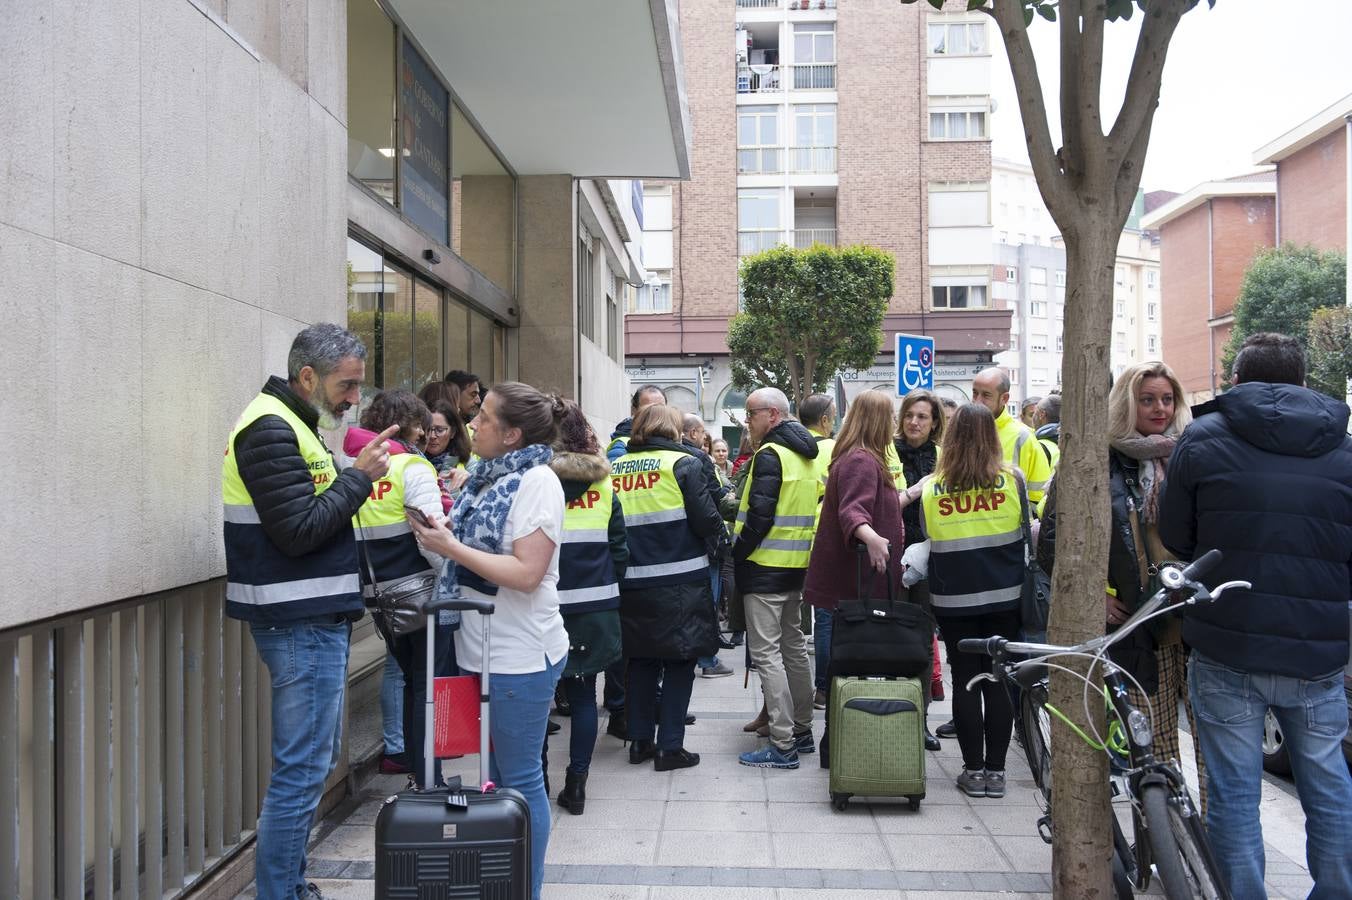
1152, 452
479, 517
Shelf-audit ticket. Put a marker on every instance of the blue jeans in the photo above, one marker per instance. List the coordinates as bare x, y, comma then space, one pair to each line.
1230, 706
518, 712
392, 705
307, 662
716, 584
659, 709
821, 641
581, 695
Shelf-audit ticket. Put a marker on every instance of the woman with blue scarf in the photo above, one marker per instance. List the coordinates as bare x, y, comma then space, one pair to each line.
503, 543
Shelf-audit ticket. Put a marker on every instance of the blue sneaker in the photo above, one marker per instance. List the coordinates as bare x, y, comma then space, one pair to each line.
770, 757
803, 743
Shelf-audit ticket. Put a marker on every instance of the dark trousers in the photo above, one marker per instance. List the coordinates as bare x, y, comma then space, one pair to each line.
613, 694
580, 691
647, 711
983, 716
410, 651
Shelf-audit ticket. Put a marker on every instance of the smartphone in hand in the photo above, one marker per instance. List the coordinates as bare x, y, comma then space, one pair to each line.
418, 516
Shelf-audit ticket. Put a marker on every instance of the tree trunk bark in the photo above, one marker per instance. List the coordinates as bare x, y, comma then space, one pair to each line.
1082, 838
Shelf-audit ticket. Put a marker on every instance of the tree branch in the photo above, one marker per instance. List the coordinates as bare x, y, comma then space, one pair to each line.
1008, 17
1090, 71
1072, 161
1143, 81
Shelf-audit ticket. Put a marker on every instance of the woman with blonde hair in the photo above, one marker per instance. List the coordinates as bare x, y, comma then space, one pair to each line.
1146, 415
860, 505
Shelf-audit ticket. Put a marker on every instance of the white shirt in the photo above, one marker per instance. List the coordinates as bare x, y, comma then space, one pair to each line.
526, 628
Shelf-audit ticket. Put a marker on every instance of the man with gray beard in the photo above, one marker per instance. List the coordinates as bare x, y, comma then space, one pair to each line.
291, 573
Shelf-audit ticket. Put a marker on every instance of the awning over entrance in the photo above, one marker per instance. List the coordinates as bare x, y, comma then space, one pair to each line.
591, 88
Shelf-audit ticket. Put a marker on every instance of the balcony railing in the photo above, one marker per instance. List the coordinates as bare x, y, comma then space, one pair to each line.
759, 4
759, 80
754, 240
791, 4
806, 237
815, 77
760, 160
812, 159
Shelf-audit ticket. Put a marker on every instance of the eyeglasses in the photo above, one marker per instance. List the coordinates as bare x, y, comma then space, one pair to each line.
438, 430
751, 412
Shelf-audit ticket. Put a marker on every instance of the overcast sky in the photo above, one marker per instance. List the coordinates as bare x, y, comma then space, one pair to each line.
1237, 77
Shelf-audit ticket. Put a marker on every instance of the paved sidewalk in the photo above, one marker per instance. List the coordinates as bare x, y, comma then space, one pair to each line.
722, 831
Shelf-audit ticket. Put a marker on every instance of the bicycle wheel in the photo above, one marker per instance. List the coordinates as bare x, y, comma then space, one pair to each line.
1181, 854
1035, 728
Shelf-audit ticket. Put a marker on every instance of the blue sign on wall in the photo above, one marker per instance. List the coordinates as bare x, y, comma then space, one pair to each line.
426, 139
915, 363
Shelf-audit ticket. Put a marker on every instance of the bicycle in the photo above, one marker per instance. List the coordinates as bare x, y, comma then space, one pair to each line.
1162, 807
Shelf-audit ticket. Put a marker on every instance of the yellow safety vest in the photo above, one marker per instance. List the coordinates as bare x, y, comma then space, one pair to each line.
662, 548
1021, 449
976, 562
788, 544
383, 529
825, 446
263, 583
587, 579
894, 467
1053, 452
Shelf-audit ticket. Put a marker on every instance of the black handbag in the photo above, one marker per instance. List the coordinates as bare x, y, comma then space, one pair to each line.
880, 637
398, 606
1035, 599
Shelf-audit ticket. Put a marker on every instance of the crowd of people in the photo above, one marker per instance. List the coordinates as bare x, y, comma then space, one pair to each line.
638, 562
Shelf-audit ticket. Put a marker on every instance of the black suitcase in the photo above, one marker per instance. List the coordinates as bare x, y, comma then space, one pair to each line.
454, 842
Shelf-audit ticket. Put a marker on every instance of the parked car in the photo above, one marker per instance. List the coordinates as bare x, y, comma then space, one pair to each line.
1275, 758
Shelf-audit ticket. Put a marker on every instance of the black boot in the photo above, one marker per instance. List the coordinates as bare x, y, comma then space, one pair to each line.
618, 726
573, 797
932, 742
641, 751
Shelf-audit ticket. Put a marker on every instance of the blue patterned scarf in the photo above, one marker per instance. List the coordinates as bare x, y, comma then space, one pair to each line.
479, 516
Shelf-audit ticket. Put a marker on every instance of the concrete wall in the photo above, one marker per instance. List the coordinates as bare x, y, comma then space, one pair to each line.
1312, 191
172, 213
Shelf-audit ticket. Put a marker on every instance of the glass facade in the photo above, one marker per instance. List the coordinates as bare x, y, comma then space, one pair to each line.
483, 193
370, 98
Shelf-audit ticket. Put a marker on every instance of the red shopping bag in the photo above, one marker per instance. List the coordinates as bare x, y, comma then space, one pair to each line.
455, 702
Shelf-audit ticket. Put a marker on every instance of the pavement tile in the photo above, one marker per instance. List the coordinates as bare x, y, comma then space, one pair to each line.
347, 842
594, 892
945, 853
693, 784
668, 892
930, 819
340, 889
795, 818
583, 845
639, 783
604, 814
715, 848
831, 851
997, 818
835, 894
1026, 854
716, 815
366, 813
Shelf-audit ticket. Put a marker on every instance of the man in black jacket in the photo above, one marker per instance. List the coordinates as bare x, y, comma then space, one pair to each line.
770, 553
1265, 475
291, 563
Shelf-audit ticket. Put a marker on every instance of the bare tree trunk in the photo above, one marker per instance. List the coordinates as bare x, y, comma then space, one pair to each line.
1080, 817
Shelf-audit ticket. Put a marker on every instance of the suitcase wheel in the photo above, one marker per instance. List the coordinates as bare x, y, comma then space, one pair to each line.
840, 801
913, 803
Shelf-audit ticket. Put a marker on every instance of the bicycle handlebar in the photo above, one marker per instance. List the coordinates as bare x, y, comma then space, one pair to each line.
991, 646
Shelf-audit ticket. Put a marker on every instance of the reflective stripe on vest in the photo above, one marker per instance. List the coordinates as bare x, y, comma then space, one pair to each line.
587, 579
264, 584
976, 547
383, 528
788, 543
662, 548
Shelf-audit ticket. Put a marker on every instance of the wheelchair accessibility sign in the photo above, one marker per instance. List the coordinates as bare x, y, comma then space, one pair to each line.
915, 363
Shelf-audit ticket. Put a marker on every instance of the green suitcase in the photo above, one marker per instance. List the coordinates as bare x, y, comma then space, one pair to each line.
877, 739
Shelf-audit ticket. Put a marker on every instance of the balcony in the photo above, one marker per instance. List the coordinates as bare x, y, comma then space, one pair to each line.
819, 160
815, 77
791, 4
760, 160
804, 238
759, 4
759, 79
754, 240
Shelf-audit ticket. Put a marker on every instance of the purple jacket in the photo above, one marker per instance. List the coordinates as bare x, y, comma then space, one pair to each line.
859, 491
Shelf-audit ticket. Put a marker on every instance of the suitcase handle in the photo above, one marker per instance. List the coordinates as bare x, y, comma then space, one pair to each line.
483, 607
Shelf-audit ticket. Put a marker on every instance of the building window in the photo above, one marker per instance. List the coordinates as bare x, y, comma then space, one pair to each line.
1120, 308
1060, 343
370, 97
1058, 311
960, 288
586, 301
758, 150
1060, 277
1037, 343
613, 325
1152, 311
814, 56
1011, 273
653, 297
814, 137
1152, 277
1037, 376
1013, 340
1121, 275
957, 39
1013, 379
959, 204
758, 220
1037, 275
1121, 341
957, 125
1151, 344
1037, 308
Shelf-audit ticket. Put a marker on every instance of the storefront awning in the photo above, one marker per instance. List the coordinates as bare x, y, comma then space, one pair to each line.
590, 88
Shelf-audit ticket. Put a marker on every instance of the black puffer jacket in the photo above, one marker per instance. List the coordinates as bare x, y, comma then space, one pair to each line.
1265, 475
916, 463
676, 621
766, 477
294, 517
719, 543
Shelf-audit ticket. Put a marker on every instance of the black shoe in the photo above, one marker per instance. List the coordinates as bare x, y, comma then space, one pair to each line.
725, 644
674, 759
561, 707
947, 730
553, 727
573, 797
689, 719
641, 751
932, 742
617, 727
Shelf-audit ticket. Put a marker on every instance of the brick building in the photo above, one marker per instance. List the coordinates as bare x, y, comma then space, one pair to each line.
867, 123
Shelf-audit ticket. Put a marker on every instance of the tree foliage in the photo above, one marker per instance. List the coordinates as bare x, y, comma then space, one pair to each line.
1282, 289
1329, 348
807, 314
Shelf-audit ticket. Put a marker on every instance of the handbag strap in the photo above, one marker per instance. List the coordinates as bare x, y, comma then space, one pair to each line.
1025, 524
366, 557
861, 554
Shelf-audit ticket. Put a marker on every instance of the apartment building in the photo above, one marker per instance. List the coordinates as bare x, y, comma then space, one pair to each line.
187, 184
1030, 280
861, 121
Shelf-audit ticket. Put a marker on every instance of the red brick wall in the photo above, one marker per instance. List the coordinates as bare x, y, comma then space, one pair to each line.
1312, 190
1240, 227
